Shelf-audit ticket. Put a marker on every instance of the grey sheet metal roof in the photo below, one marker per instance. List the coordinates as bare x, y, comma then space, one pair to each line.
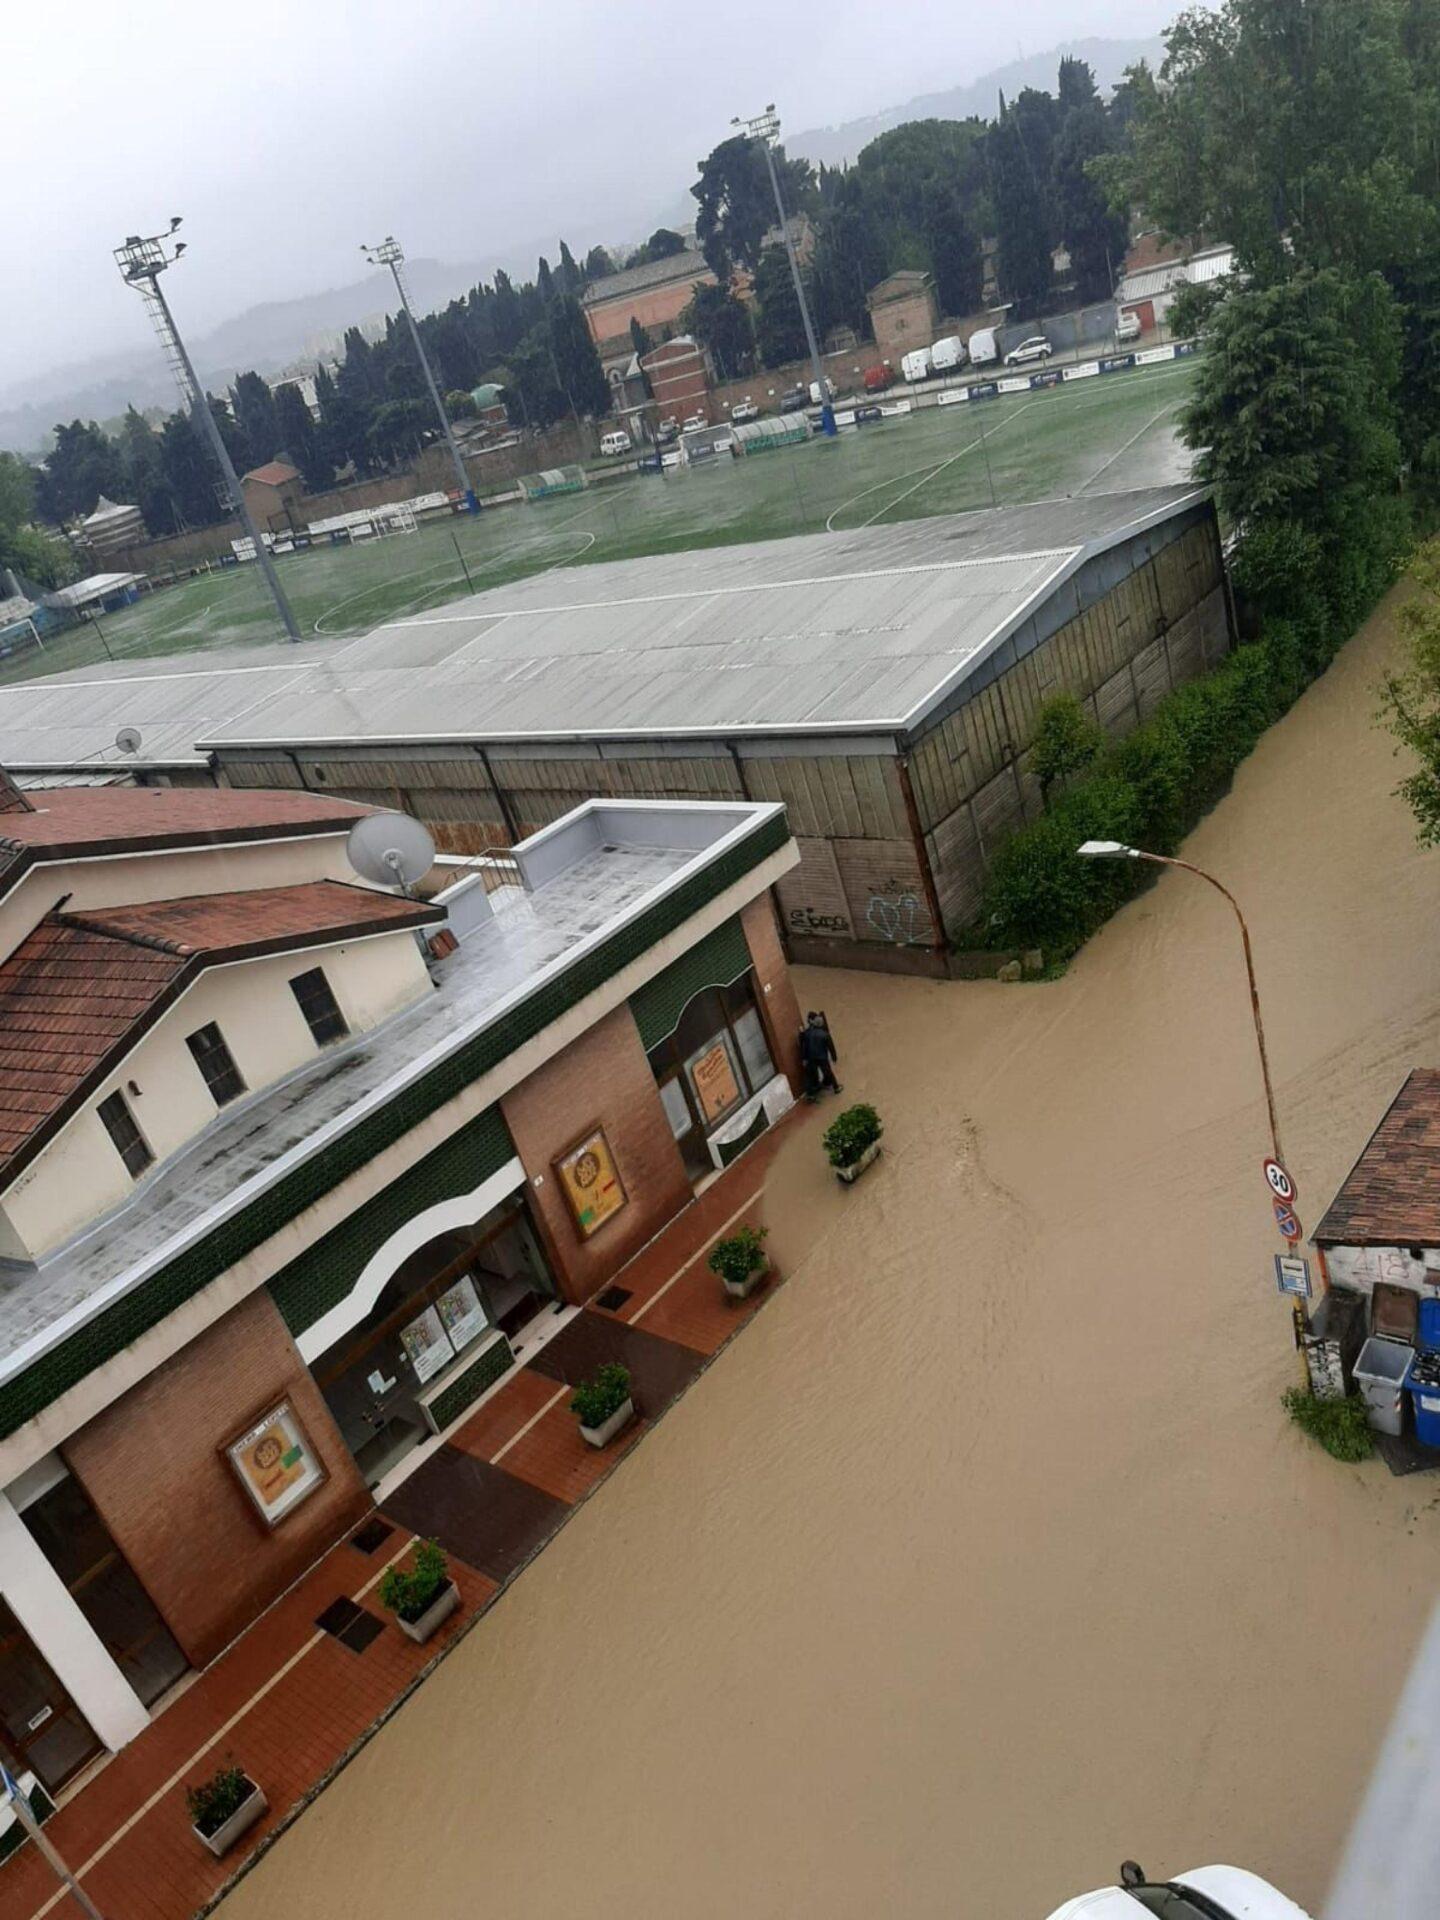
65, 723
688, 265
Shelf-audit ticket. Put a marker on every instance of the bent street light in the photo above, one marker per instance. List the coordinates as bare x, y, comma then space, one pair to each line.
765, 128
141, 262
390, 254
1117, 850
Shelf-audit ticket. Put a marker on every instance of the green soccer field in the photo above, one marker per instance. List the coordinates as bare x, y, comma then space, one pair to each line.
1091, 435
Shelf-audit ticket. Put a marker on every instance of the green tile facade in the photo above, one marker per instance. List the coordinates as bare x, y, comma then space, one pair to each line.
467, 1387
722, 956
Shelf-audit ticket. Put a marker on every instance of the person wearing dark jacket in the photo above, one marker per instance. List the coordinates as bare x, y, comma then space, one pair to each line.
817, 1051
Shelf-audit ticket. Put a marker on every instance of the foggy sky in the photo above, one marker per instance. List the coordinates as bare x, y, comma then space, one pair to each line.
287, 131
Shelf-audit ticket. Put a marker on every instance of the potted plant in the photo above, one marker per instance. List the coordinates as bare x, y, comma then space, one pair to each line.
741, 1261
422, 1597
604, 1404
852, 1141
224, 1807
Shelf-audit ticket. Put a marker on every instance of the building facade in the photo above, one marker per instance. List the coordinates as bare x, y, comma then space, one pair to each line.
679, 374
292, 1168
903, 313
654, 296
273, 493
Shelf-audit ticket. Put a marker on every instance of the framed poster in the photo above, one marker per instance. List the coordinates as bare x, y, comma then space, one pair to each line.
713, 1079
427, 1345
591, 1182
275, 1464
461, 1313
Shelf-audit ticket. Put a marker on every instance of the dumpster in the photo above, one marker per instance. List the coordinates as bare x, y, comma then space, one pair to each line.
1380, 1371
1423, 1380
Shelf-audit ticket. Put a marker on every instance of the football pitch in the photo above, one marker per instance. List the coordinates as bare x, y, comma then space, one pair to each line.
1097, 435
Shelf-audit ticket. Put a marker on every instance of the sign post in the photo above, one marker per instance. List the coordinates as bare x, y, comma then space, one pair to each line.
25, 1814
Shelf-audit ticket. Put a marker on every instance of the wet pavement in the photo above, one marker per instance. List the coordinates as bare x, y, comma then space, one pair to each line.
987, 1556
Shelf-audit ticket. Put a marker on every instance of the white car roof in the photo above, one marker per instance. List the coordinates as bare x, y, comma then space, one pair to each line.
1106, 1903
1242, 1894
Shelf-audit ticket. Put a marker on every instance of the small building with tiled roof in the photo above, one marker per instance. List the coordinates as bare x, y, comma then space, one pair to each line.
273, 493
903, 313
1384, 1223
296, 1168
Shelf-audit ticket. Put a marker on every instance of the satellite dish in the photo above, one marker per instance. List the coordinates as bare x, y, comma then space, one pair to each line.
391, 849
128, 739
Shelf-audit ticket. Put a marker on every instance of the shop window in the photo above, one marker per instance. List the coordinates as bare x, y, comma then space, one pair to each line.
717, 1058
131, 1145
321, 1009
216, 1063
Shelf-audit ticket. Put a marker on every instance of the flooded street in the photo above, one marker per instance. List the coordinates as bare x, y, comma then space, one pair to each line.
985, 1557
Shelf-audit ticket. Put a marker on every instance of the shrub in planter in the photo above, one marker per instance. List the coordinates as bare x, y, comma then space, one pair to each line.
740, 1260
223, 1807
850, 1138
603, 1403
410, 1593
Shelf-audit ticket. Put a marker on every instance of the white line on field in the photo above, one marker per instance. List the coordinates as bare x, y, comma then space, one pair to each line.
1127, 446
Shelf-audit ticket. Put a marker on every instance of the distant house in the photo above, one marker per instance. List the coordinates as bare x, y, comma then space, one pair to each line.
273, 493
655, 295
111, 526
679, 375
1156, 268
903, 312
304, 385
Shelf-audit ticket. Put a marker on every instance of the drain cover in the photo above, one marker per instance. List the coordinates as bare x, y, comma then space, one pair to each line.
361, 1631
373, 1534
613, 1298
340, 1614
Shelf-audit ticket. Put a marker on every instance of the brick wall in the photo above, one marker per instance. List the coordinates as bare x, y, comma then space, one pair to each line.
902, 325
153, 1465
774, 988
603, 1079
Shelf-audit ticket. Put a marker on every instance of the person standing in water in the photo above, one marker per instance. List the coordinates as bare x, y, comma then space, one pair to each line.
817, 1052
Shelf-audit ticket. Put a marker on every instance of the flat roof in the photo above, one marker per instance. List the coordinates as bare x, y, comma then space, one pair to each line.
595, 871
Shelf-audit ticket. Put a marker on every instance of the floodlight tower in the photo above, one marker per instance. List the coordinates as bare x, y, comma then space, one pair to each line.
765, 128
390, 254
141, 263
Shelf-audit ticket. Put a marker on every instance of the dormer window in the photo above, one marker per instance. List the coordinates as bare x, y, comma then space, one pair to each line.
131, 1145
216, 1064
317, 1002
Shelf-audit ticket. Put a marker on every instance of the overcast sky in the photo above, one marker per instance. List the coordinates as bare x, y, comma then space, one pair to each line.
286, 131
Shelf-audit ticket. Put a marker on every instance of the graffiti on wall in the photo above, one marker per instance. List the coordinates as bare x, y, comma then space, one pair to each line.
901, 919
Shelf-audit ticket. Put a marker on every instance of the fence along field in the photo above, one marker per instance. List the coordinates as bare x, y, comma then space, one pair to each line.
1090, 435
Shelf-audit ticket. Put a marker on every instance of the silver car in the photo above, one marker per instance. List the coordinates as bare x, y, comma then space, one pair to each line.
1037, 347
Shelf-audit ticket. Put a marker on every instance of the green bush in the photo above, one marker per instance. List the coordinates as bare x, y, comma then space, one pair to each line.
211, 1804
595, 1400
411, 1594
738, 1257
850, 1134
1065, 742
1339, 1425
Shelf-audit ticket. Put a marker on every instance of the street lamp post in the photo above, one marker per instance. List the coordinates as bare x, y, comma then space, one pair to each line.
141, 263
765, 128
1117, 850
389, 253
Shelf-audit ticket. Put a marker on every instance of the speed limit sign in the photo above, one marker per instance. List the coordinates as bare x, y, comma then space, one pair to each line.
1279, 1181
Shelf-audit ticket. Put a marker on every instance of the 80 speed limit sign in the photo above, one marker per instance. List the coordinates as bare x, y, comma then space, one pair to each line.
1279, 1181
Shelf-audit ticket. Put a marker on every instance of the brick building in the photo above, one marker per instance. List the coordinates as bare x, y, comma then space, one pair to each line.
273, 493
679, 376
655, 295
902, 313
292, 1168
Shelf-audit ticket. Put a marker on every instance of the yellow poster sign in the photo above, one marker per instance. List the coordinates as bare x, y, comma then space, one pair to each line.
712, 1074
275, 1464
591, 1182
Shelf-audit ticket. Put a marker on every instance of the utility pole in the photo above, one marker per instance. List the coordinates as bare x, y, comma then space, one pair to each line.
766, 129
141, 263
390, 254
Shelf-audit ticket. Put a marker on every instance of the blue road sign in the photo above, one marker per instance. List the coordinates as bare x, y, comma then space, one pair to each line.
1292, 1275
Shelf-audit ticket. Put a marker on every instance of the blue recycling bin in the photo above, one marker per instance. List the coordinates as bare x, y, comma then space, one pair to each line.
1422, 1382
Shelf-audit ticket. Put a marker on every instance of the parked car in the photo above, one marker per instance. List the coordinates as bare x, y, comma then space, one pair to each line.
865, 415
947, 354
1037, 347
794, 398
1222, 1893
916, 364
744, 410
694, 422
1127, 327
878, 377
668, 430
614, 442
983, 346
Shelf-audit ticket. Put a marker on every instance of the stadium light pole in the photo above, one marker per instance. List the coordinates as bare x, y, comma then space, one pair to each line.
390, 254
765, 128
141, 262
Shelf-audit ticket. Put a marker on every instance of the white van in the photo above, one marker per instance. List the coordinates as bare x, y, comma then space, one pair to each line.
916, 365
984, 347
615, 442
1127, 327
947, 354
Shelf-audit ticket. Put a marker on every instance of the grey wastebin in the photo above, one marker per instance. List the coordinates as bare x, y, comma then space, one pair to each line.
1380, 1369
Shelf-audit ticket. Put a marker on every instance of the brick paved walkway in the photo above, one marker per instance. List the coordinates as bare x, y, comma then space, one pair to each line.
289, 1701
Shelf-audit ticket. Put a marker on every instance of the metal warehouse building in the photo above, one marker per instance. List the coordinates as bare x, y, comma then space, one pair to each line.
882, 683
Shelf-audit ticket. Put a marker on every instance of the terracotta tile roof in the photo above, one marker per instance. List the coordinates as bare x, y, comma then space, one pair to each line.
1155, 249
83, 988
274, 473
1391, 1196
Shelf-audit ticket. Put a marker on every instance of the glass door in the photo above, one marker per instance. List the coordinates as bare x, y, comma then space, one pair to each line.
42, 1731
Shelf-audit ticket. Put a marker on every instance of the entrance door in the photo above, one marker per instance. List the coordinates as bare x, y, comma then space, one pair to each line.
42, 1731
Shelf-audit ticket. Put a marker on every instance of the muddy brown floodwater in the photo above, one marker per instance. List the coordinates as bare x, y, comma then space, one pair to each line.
985, 1557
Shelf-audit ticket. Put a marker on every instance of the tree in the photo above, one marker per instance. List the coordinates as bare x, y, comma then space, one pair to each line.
598, 264
531, 386
639, 338
509, 317
1022, 221
147, 486
721, 323
37, 557
577, 364
190, 474
956, 258
568, 276
779, 328
1066, 741
460, 405
400, 429
736, 207
1075, 86
83, 464
851, 256
257, 419
545, 282
1412, 696
663, 244
1095, 235
303, 440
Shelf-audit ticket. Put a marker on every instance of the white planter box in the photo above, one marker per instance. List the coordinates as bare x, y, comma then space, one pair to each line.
434, 1616
602, 1435
240, 1822
867, 1159
742, 1289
